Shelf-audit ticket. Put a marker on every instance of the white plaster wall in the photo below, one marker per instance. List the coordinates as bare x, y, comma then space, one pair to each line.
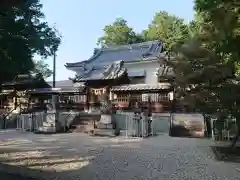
149, 67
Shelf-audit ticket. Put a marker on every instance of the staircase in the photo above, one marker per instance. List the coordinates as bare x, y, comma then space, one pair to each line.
84, 123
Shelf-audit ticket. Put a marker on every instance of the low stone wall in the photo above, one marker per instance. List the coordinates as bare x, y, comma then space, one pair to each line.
181, 124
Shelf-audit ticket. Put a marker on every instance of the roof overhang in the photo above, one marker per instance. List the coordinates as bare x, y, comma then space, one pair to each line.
144, 51
5, 93
114, 71
26, 81
57, 90
142, 87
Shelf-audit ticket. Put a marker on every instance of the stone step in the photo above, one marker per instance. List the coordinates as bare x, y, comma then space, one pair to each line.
46, 129
86, 118
82, 122
104, 132
104, 126
48, 123
82, 128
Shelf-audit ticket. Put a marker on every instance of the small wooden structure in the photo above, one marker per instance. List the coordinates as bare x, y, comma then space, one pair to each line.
125, 96
15, 93
15, 98
73, 98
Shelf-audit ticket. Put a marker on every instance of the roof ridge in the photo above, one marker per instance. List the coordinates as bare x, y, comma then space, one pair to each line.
147, 48
128, 46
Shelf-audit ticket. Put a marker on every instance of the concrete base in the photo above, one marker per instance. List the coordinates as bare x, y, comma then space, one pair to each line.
104, 132
49, 124
46, 130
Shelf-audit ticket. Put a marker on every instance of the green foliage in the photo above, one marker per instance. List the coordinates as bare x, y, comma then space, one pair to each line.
167, 28
24, 33
119, 33
206, 66
43, 68
206, 50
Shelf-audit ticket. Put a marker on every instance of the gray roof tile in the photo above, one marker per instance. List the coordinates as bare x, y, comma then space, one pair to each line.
62, 83
140, 73
133, 87
95, 67
112, 71
126, 53
58, 90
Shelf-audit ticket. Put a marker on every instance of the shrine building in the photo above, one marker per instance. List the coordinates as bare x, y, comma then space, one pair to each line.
127, 73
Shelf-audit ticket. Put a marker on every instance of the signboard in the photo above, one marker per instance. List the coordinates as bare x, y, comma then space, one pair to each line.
105, 119
145, 97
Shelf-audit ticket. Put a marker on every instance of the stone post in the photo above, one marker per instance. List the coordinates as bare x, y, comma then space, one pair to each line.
51, 122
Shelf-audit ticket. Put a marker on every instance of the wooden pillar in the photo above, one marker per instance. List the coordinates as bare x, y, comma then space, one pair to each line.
86, 103
15, 100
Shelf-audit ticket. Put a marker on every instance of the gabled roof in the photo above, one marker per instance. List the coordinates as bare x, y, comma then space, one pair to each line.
62, 86
26, 81
126, 53
113, 71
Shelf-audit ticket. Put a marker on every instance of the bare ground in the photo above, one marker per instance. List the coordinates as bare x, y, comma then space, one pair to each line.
77, 156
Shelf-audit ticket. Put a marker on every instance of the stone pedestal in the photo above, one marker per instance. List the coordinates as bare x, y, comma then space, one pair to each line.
106, 119
106, 126
50, 123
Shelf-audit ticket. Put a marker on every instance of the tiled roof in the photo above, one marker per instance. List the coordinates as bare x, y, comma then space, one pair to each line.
4, 93
140, 73
62, 83
113, 71
57, 90
133, 87
27, 81
127, 53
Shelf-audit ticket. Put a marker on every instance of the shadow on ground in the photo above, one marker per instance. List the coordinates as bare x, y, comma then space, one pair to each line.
61, 161
8, 176
180, 131
227, 154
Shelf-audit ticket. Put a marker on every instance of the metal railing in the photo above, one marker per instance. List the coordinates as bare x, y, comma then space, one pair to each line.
35, 121
5, 116
136, 125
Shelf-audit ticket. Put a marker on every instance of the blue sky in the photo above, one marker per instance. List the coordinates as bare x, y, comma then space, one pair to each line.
81, 23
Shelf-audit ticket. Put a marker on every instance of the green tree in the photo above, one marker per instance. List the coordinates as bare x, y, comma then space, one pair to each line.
119, 33
168, 28
206, 66
23, 34
43, 68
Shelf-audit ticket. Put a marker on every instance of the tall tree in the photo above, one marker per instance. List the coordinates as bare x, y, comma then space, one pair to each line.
24, 33
119, 33
168, 28
206, 66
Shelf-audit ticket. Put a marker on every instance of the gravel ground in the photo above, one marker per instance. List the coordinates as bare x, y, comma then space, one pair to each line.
77, 156
7, 176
